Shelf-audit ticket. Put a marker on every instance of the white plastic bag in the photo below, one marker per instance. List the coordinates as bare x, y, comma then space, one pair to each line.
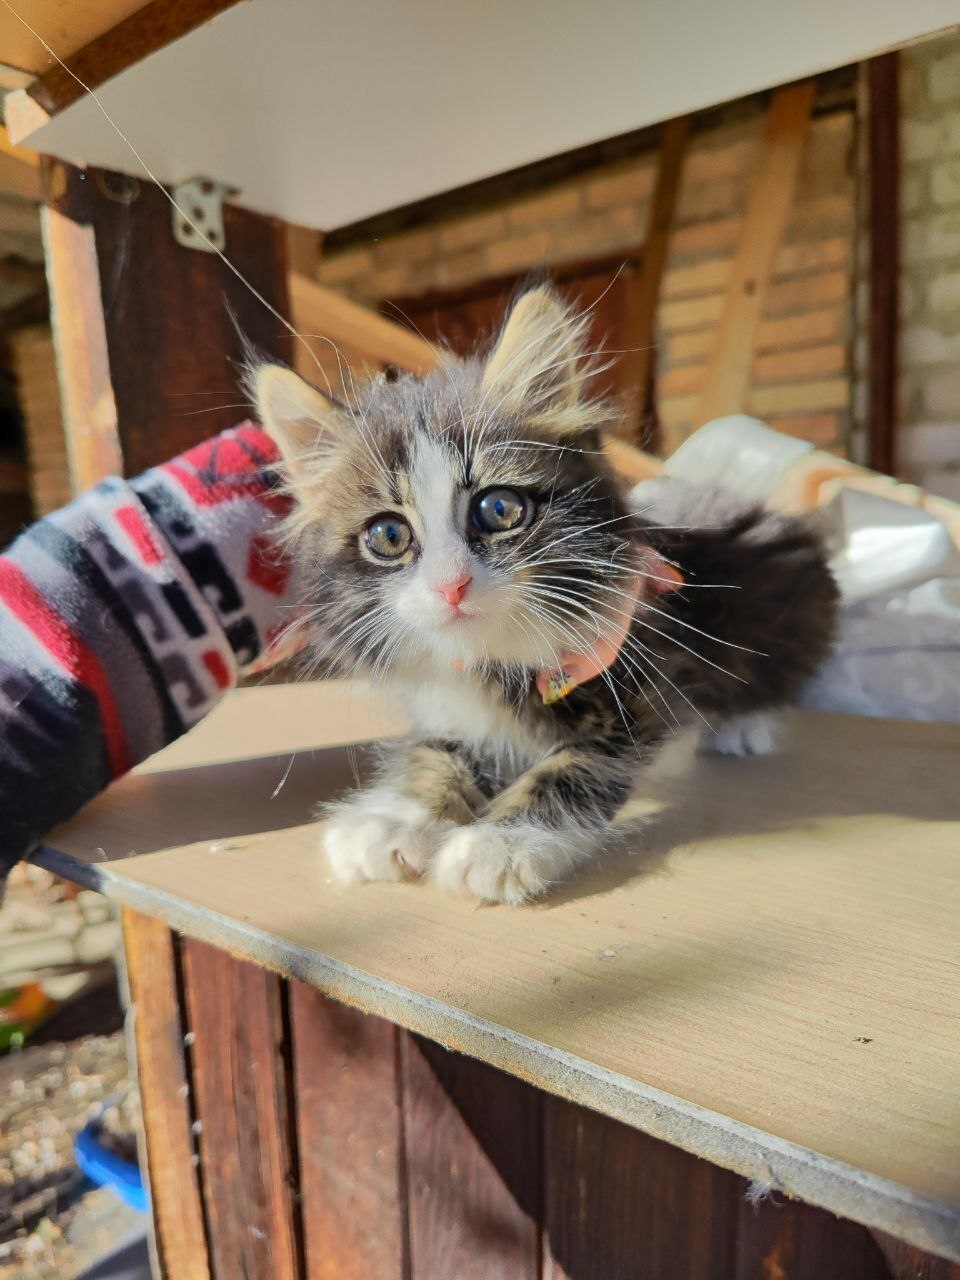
897, 565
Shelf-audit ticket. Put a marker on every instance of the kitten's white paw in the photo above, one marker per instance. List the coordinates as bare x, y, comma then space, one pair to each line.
380, 837
751, 735
505, 863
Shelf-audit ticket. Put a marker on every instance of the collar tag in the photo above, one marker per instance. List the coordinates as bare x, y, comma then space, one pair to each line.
657, 578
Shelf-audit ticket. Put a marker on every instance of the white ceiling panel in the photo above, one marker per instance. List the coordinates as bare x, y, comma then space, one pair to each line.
327, 111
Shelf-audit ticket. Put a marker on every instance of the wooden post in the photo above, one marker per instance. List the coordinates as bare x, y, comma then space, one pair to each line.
884, 185
771, 199
80, 338
147, 348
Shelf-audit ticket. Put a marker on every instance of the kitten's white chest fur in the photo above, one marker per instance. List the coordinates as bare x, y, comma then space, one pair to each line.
457, 706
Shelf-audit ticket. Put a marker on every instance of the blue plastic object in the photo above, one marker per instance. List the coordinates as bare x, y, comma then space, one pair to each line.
106, 1169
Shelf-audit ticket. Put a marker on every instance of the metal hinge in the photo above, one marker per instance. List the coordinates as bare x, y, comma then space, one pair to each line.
201, 199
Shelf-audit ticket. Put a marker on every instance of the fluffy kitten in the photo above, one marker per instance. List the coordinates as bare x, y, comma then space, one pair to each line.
460, 539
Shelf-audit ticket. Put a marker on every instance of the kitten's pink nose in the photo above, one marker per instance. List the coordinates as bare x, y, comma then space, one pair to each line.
453, 592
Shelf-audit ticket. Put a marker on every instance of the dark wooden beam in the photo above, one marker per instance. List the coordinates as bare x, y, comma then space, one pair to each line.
639, 332
884, 211
171, 350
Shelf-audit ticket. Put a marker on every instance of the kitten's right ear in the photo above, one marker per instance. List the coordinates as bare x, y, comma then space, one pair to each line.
298, 418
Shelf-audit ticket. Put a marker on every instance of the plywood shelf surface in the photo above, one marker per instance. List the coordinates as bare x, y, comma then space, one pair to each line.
766, 974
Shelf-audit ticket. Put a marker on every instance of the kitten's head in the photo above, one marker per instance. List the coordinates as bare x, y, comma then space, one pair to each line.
462, 518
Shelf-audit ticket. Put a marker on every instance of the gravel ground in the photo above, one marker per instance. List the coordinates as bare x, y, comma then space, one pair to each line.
74, 1069
48, 1226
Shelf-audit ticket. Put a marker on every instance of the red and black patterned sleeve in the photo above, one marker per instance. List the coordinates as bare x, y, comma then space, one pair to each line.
125, 616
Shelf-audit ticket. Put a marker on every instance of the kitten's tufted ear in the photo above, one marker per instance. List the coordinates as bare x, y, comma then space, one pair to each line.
298, 417
538, 366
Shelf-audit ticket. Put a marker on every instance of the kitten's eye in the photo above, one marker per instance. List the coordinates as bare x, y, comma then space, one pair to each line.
500, 509
388, 537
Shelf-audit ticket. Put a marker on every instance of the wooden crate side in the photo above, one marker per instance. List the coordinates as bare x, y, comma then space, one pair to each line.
793, 1241
473, 1167
243, 1110
620, 1205
162, 1074
349, 1133
907, 1262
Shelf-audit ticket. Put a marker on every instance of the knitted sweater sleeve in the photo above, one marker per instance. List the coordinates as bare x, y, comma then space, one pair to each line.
125, 617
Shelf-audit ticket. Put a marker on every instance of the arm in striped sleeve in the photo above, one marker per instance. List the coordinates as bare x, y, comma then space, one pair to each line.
125, 616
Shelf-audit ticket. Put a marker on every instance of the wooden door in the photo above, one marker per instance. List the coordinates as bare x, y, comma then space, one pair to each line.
463, 318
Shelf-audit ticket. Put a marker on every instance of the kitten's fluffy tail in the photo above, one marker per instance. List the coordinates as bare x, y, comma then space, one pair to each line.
761, 602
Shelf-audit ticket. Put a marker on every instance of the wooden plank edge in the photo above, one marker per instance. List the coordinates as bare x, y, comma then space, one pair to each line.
134, 38
794, 1171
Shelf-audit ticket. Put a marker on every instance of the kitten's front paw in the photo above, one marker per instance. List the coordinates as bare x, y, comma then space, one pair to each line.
365, 840
756, 734
499, 863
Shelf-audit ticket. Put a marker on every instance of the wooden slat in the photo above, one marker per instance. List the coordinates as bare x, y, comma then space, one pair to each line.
639, 329
76, 314
318, 310
164, 1091
132, 39
349, 1130
619, 1205
472, 1137
781, 1239
243, 1114
768, 210
884, 212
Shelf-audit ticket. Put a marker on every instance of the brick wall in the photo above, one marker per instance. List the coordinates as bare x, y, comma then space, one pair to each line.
801, 374
35, 368
929, 440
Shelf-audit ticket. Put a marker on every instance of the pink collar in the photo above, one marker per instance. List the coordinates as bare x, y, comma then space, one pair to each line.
578, 666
